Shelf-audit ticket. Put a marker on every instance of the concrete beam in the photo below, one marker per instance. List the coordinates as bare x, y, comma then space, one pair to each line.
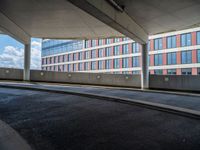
114, 18
7, 26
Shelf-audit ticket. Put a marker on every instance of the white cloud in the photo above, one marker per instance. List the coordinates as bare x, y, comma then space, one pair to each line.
13, 57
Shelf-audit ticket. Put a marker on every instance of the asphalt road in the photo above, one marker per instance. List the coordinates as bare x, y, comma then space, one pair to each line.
49, 121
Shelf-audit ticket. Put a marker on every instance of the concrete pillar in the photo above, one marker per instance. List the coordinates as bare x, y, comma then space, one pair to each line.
27, 60
145, 68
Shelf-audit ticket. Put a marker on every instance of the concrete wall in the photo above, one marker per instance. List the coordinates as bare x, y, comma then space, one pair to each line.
11, 74
87, 78
174, 82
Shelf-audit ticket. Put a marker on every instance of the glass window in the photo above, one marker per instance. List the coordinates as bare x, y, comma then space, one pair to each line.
108, 64
116, 40
108, 41
135, 47
74, 56
64, 68
158, 72
93, 65
100, 52
186, 39
158, 44
186, 71
100, 64
198, 56
136, 72
69, 57
87, 56
186, 57
198, 71
198, 37
158, 59
80, 66
125, 63
74, 67
87, 43
116, 63
80, 56
93, 54
125, 49
100, 41
69, 67
171, 58
171, 71
108, 51
171, 41
116, 50
87, 66
93, 43
135, 61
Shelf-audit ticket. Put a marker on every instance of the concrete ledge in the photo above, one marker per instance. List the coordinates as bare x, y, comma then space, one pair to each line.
10, 139
155, 106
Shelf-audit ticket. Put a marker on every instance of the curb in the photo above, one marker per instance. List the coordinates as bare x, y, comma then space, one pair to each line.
155, 106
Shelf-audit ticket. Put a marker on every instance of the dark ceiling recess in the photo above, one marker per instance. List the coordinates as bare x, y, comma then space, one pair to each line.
115, 5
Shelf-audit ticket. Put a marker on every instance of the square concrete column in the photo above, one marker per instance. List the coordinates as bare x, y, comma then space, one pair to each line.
27, 61
145, 68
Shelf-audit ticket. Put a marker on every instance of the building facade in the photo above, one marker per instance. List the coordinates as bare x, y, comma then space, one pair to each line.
173, 53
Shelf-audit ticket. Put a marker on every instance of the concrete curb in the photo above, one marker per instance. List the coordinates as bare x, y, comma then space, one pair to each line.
155, 106
10, 139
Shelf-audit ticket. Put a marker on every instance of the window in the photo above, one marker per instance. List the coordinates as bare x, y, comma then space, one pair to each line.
198, 71
158, 72
100, 64
100, 52
108, 51
186, 71
108, 41
64, 58
74, 67
54, 59
116, 50
158, 44
80, 66
171, 58
69, 67
64, 68
108, 64
186, 39
100, 41
125, 39
125, 49
93, 54
186, 57
69, 57
171, 41
136, 72
80, 56
116, 63
93, 65
198, 56
74, 56
87, 56
93, 43
198, 37
87, 66
135, 47
171, 71
125, 63
135, 61
86, 43
158, 59
125, 72
116, 40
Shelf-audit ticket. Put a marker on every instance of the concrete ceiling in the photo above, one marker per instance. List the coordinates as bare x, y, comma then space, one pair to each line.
158, 16
54, 19
86, 19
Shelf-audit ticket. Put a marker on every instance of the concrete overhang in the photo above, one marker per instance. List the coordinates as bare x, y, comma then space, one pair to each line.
87, 19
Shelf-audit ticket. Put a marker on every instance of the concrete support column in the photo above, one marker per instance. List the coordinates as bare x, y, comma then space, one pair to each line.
145, 68
27, 61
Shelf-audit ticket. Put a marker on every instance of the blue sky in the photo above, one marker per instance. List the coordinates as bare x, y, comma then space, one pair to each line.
12, 53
